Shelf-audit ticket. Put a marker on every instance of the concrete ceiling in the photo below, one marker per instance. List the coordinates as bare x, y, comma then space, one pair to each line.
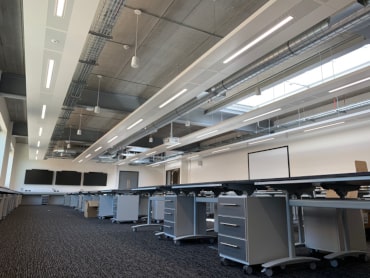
180, 44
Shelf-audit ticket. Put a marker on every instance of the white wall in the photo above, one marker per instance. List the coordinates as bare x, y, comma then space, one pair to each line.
5, 139
328, 151
147, 175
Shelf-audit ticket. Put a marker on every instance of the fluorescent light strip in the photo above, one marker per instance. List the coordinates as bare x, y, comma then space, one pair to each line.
324, 126
36, 157
87, 156
134, 159
164, 161
38, 143
172, 98
260, 141
173, 145
80, 160
37, 151
135, 123
151, 153
59, 11
121, 163
99, 148
222, 150
349, 85
208, 133
260, 38
43, 111
50, 73
40, 131
112, 139
264, 114
194, 156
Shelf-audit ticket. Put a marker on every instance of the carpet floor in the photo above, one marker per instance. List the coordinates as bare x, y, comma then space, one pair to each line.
57, 241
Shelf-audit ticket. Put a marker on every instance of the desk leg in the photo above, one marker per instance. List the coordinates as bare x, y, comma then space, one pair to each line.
149, 219
292, 259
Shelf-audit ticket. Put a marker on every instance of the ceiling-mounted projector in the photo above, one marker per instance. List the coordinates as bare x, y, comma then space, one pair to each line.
135, 62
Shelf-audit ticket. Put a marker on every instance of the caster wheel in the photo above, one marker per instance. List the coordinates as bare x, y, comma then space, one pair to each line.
177, 242
247, 269
134, 229
225, 262
364, 258
334, 263
269, 272
313, 265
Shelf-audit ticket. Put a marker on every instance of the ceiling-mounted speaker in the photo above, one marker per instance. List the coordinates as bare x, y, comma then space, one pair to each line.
135, 62
96, 109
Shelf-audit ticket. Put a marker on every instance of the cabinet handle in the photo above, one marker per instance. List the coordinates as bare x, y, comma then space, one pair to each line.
167, 226
229, 224
229, 245
168, 213
171, 201
229, 204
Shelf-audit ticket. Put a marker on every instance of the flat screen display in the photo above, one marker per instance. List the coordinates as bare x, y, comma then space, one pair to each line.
37, 176
68, 178
95, 179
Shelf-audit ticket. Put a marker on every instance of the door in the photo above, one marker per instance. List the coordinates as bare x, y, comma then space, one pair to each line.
128, 180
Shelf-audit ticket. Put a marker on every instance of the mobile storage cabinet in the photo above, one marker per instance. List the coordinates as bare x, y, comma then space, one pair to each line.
178, 216
252, 230
125, 208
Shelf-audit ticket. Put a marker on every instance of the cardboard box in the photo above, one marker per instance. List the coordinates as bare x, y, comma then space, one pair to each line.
91, 209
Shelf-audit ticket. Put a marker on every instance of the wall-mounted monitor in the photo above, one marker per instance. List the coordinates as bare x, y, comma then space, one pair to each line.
37, 176
68, 178
95, 179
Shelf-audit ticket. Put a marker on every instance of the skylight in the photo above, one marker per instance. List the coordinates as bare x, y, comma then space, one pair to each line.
333, 69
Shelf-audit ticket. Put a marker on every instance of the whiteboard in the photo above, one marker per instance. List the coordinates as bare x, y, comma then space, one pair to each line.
271, 163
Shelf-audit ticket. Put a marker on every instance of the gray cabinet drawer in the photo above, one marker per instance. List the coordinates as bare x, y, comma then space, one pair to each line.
169, 214
170, 202
232, 247
235, 227
233, 206
168, 227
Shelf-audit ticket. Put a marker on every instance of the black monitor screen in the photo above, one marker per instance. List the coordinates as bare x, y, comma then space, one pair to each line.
68, 178
36, 176
95, 178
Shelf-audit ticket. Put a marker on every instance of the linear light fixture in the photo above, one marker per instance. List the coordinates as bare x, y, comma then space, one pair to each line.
164, 161
87, 156
49, 73
194, 156
172, 98
259, 38
36, 157
112, 139
323, 126
121, 163
151, 153
222, 150
264, 114
260, 141
350, 85
38, 143
173, 145
134, 124
43, 111
80, 160
208, 133
37, 151
98, 148
59, 9
40, 131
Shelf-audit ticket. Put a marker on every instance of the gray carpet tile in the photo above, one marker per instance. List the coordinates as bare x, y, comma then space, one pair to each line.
56, 241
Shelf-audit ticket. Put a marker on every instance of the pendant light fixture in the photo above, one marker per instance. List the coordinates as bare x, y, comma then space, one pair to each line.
135, 60
69, 139
97, 108
79, 131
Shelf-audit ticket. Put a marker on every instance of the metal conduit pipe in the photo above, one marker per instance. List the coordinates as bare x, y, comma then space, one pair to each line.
312, 37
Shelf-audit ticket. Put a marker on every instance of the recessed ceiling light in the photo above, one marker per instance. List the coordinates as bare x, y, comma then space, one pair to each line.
43, 111
222, 150
87, 156
172, 98
135, 123
261, 115
324, 126
59, 9
349, 85
99, 148
112, 139
49, 73
40, 131
38, 143
260, 141
54, 41
208, 133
